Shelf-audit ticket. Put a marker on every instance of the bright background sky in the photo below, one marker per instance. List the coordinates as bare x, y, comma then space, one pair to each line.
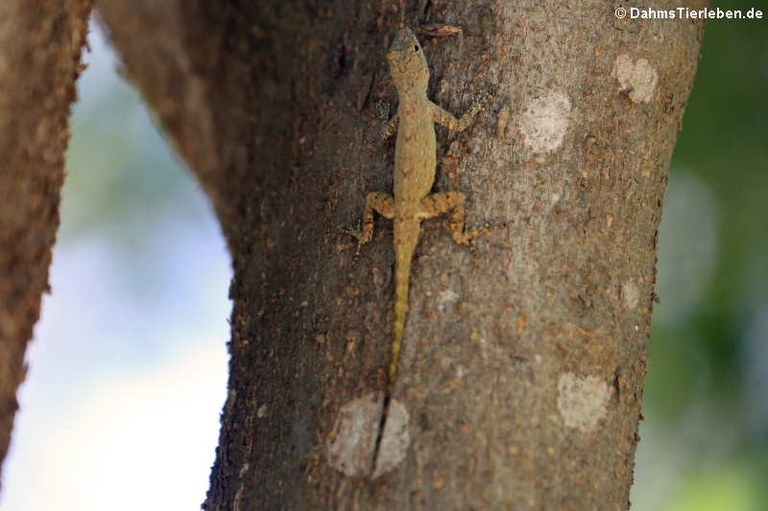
120, 410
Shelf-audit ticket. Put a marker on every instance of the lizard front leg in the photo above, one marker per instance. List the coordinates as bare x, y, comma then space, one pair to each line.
379, 202
440, 203
448, 120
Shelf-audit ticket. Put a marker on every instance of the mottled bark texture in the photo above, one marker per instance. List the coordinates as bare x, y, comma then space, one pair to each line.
40, 45
524, 354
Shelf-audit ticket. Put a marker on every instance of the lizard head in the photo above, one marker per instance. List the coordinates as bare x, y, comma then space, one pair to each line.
407, 63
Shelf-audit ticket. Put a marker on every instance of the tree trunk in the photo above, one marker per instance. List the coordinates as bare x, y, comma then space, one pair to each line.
40, 43
524, 354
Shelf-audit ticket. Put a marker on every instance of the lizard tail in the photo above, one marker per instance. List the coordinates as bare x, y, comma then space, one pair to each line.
401, 308
404, 249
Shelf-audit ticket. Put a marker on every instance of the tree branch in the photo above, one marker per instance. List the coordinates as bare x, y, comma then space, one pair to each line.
40, 44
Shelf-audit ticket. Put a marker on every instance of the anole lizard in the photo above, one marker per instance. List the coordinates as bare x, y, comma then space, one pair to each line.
415, 165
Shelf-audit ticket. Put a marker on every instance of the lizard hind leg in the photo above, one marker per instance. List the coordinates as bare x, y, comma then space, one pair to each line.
379, 202
444, 202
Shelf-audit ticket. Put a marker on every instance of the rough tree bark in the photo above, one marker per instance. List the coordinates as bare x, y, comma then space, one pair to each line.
40, 44
524, 355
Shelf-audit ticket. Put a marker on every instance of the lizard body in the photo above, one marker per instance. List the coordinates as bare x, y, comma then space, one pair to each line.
414, 175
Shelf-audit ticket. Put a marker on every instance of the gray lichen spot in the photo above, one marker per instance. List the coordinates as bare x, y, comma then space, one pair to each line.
447, 298
352, 443
351, 446
395, 440
630, 294
582, 402
545, 121
638, 79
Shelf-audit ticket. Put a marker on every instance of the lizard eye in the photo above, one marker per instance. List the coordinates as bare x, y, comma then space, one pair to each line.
416, 48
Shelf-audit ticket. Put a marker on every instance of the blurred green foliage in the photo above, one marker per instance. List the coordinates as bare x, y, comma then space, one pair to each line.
706, 360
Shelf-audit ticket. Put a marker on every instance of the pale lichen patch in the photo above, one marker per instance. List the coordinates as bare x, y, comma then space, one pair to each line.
630, 294
447, 298
545, 121
395, 439
638, 79
352, 443
353, 440
582, 402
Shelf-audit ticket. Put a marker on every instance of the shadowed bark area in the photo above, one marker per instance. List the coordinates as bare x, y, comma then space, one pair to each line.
40, 44
524, 355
